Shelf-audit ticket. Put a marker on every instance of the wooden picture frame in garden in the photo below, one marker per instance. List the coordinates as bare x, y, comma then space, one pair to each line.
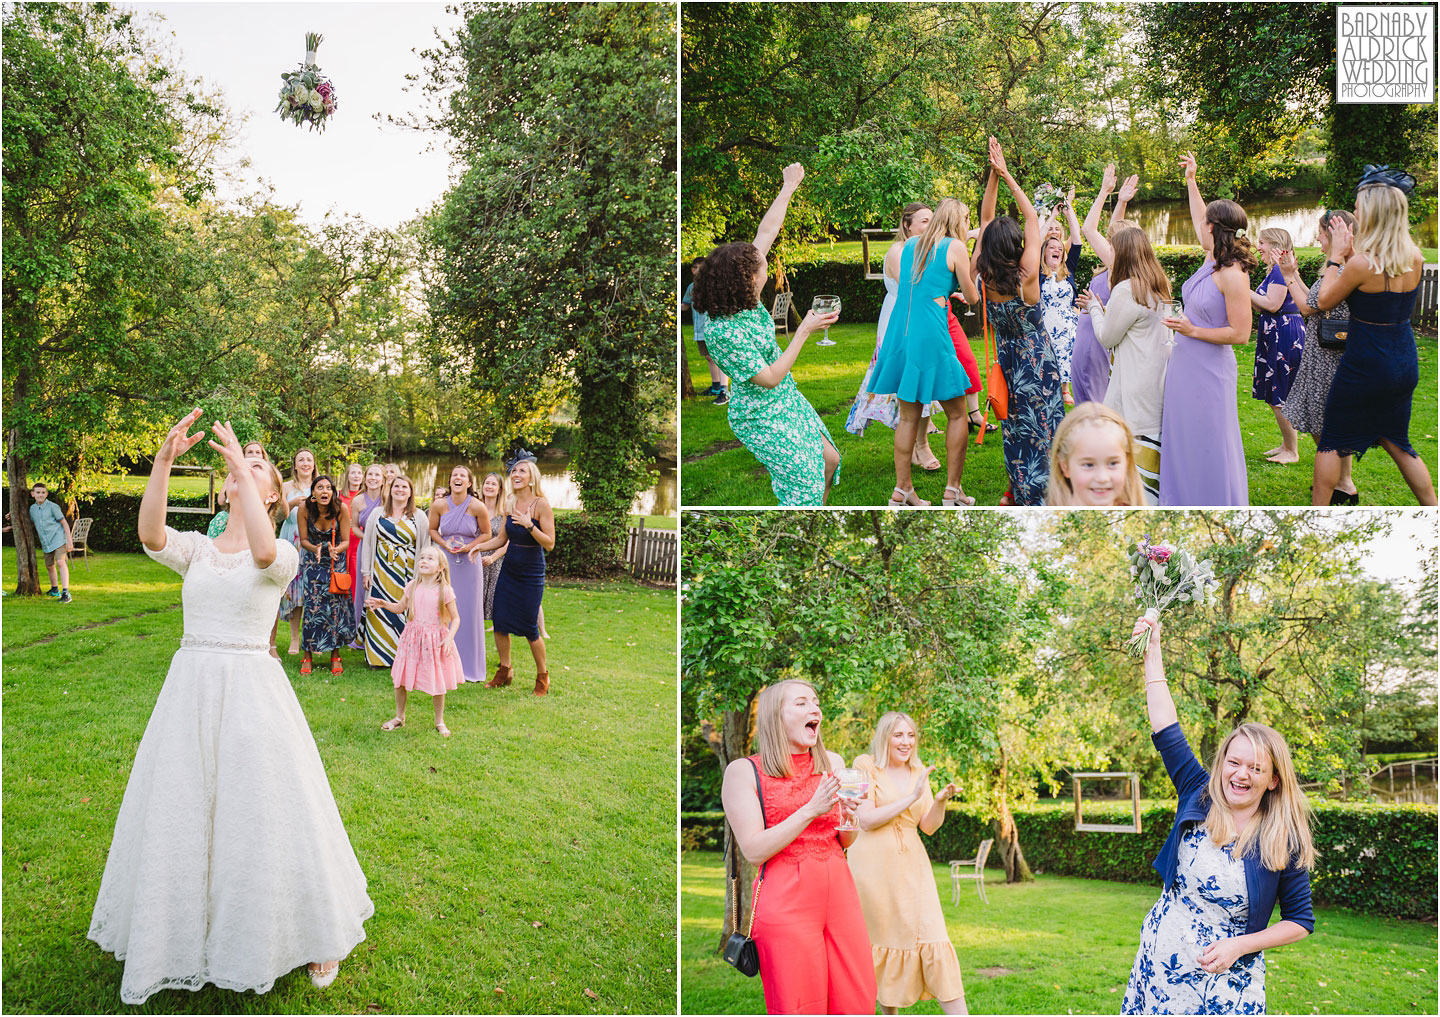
865, 237
1083, 827
207, 509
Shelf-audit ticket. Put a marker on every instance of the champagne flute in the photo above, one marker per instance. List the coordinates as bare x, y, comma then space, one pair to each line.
854, 786
825, 303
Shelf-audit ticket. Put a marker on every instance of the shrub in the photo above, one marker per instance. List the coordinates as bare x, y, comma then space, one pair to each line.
580, 548
1376, 858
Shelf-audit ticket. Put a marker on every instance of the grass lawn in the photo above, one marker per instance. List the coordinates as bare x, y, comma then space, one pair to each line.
718, 470
525, 865
1065, 945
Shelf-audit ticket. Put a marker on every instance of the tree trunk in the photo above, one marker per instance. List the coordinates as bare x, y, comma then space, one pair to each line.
17, 475
733, 742
1006, 835
687, 387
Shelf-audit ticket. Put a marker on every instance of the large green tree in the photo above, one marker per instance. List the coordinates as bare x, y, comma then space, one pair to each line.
95, 146
552, 256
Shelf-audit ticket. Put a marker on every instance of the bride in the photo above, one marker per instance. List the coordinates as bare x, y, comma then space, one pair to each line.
230, 864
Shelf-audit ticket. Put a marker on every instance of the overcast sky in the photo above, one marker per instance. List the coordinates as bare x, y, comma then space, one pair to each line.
358, 165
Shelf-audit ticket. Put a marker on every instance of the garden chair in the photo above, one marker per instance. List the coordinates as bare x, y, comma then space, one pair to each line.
977, 864
780, 312
80, 537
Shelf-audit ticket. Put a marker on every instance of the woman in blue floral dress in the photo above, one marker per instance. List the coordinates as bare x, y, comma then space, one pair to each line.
1279, 341
766, 410
1240, 844
1007, 259
1059, 262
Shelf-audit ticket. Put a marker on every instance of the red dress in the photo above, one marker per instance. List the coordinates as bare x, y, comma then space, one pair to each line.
809, 930
354, 548
963, 351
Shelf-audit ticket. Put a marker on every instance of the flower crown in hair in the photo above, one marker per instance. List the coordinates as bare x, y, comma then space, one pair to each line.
1396, 178
521, 456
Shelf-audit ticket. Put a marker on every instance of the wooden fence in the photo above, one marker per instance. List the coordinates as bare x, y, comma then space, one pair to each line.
653, 555
1427, 300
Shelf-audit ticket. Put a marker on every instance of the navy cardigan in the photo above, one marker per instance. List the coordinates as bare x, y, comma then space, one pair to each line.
1264, 886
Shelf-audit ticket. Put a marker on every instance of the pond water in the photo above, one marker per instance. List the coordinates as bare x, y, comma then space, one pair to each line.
556, 481
1169, 222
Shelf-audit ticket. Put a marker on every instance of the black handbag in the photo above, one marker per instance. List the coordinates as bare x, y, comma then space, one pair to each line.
739, 950
1333, 333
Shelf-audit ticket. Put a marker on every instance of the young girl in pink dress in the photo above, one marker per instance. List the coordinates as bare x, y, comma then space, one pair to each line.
426, 658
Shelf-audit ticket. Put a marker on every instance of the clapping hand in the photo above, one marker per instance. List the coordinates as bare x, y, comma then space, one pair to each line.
947, 792
178, 441
793, 174
827, 793
1083, 298
1341, 239
1129, 187
922, 781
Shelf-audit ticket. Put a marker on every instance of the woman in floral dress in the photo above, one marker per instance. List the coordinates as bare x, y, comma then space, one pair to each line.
1058, 265
1279, 342
323, 529
767, 412
1007, 259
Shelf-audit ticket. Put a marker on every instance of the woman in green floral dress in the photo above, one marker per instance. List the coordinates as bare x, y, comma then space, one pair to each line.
767, 412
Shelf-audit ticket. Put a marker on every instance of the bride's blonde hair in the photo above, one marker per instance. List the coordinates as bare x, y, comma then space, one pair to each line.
1280, 829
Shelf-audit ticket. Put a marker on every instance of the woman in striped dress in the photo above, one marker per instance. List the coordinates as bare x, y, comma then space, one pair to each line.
393, 539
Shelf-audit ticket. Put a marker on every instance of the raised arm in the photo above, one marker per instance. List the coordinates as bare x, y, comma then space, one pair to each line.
992, 191
742, 809
1197, 203
1127, 191
1071, 220
957, 259
1030, 257
151, 521
1091, 229
1158, 700
247, 503
775, 214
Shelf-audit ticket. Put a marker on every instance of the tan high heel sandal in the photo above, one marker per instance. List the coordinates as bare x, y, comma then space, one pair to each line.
901, 499
960, 498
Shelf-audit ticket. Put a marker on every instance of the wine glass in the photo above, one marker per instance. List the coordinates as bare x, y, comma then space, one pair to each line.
825, 303
854, 786
1171, 309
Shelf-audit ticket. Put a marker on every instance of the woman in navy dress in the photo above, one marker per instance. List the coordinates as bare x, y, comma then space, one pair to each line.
529, 532
1279, 343
1369, 401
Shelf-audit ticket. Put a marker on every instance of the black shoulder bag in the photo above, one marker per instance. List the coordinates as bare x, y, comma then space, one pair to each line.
740, 948
1333, 332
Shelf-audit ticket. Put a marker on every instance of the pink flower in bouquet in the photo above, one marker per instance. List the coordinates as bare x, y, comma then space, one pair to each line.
324, 89
1159, 553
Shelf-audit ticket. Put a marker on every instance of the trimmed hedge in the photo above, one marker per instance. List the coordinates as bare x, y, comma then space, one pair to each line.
861, 298
1375, 858
578, 553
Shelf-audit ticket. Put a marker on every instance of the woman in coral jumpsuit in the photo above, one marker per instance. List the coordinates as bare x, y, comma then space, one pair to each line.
808, 929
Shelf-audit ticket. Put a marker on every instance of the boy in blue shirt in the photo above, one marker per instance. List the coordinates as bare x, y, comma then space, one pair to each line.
54, 536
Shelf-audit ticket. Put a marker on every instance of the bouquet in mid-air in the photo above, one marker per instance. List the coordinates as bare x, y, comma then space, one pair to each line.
307, 97
1163, 575
1047, 197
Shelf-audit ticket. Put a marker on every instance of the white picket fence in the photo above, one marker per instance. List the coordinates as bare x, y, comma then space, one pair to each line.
653, 555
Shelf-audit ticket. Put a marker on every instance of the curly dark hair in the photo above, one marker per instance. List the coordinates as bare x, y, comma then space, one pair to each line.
314, 511
1226, 217
997, 260
726, 283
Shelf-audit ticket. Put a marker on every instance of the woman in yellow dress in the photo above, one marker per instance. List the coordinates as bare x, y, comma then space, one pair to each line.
913, 956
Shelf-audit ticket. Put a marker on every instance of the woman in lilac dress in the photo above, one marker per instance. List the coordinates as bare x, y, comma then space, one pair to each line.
1204, 460
1279, 341
458, 523
1090, 365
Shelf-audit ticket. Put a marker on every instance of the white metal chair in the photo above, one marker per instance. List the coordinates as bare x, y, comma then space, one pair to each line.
80, 537
978, 874
780, 312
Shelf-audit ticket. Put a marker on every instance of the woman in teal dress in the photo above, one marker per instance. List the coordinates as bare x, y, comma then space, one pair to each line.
767, 412
917, 362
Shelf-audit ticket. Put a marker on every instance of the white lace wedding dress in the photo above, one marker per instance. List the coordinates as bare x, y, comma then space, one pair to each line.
230, 864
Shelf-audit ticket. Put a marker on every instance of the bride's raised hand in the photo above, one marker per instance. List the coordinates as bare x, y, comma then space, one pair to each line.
179, 440
229, 448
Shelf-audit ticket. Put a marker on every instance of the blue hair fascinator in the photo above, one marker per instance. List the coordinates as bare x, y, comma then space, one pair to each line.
1396, 178
520, 456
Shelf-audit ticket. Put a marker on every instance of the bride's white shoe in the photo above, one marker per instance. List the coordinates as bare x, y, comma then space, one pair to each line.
322, 975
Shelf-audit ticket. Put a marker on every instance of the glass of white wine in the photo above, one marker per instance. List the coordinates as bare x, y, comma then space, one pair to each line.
854, 786
825, 303
1171, 309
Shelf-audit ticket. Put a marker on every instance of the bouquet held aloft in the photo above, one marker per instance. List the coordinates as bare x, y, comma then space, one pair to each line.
1164, 575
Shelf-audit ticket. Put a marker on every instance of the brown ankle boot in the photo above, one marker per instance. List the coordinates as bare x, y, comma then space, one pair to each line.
542, 683
502, 677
